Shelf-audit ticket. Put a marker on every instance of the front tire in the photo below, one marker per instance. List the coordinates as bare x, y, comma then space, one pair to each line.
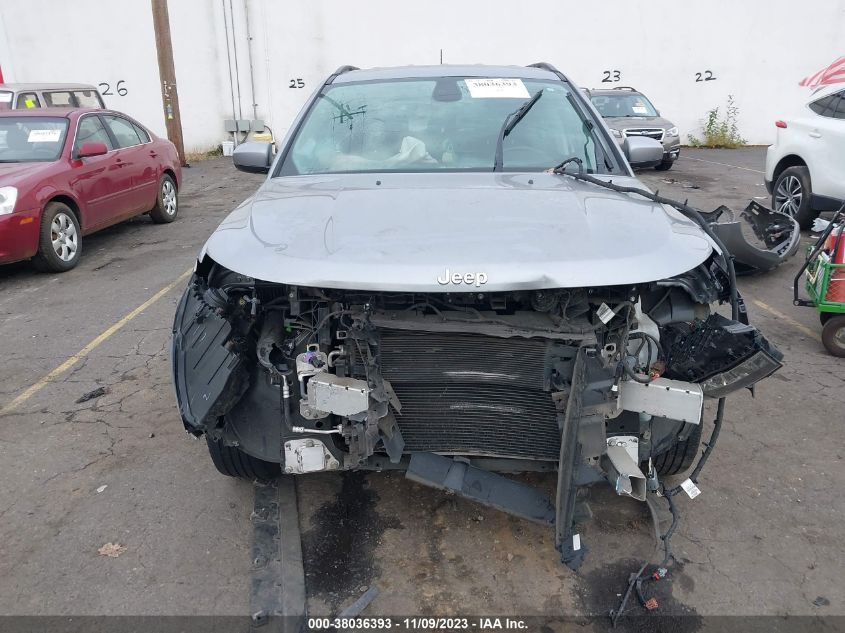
167, 202
666, 165
233, 462
60, 240
680, 455
791, 195
833, 335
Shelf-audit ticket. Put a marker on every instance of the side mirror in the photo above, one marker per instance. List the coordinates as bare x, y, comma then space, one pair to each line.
92, 149
642, 151
254, 157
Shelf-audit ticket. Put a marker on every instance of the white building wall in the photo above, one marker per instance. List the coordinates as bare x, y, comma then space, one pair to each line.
85, 41
757, 50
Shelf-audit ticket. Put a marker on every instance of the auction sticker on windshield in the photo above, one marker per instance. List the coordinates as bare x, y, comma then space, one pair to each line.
44, 136
489, 87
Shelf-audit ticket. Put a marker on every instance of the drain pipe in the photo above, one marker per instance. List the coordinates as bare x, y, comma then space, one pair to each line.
249, 56
268, 111
235, 55
229, 65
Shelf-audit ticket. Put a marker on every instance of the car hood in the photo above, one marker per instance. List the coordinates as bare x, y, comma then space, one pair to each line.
404, 231
12, 173
622, 122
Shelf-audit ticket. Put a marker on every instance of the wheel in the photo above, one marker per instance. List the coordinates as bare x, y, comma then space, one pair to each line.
791, 195
167, 203
680, 455
666, 165
824, 317
233, 462
833, 335
60, 240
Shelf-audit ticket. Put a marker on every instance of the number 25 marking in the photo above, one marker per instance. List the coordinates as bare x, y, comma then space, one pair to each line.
296, 83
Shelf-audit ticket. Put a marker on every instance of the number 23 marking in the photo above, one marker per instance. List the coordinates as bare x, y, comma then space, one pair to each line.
611, 76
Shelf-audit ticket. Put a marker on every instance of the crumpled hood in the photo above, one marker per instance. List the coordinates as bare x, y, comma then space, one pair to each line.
403, 231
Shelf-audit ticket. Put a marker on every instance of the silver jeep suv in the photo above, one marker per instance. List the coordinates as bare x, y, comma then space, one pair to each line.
628, 112
453, 271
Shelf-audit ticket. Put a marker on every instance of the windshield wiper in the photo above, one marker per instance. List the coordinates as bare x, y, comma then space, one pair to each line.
510, 123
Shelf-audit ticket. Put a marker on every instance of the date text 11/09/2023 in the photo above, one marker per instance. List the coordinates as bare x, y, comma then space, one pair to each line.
419, 624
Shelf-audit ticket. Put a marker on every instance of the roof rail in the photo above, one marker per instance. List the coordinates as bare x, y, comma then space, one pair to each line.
551, 69
544, 66
338, 72
628, 88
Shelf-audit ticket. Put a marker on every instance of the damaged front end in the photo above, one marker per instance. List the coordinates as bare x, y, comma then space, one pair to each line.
595, 383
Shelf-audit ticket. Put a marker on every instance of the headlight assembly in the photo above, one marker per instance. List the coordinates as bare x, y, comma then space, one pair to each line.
672, 131
8, 198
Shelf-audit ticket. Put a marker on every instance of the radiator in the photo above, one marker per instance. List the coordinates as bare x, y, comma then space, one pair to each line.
474, 395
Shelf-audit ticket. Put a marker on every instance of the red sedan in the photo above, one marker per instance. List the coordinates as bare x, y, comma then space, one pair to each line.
67, 173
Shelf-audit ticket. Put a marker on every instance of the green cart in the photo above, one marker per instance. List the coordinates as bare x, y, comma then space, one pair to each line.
825, 283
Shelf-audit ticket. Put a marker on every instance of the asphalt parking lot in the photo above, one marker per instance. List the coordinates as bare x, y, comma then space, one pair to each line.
764, 537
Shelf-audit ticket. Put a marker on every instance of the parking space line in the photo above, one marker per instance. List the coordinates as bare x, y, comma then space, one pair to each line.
99, 340
788, 320
713, 162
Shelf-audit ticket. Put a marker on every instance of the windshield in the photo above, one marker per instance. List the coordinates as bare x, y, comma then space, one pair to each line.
439, 124
31, 139
623, 105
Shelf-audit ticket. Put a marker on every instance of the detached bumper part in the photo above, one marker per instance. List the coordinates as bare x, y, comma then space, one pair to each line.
778, 236
481, 486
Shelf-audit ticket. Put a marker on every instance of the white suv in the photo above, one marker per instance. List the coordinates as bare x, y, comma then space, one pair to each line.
805, 168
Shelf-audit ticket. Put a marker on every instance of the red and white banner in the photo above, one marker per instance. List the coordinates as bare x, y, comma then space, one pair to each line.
833, 74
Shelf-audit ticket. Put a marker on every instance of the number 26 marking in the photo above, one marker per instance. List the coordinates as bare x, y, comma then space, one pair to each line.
119, 87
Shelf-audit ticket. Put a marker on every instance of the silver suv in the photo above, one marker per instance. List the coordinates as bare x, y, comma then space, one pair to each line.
628, 112
453, 271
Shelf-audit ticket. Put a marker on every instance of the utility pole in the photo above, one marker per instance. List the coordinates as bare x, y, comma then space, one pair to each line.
167, 73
